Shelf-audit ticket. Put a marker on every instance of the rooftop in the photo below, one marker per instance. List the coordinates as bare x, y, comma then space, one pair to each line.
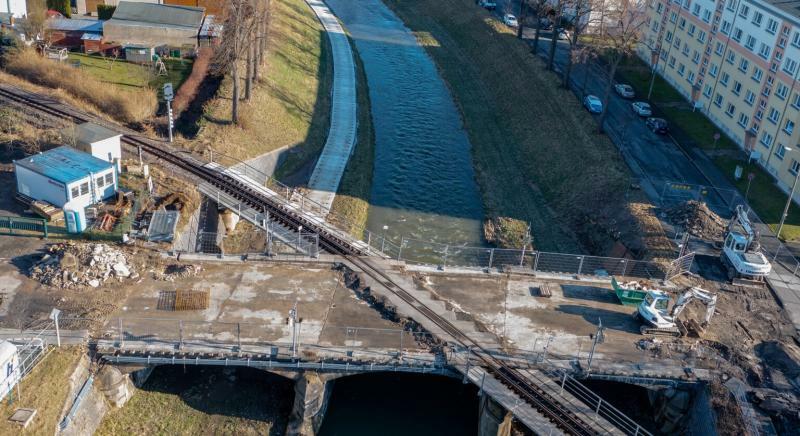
75, 25
165, 15
791, 7
64, 164
90, 133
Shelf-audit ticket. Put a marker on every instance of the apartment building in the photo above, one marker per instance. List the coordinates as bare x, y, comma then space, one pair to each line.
737, 61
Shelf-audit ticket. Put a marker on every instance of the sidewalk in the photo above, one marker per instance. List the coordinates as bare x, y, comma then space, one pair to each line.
332, 162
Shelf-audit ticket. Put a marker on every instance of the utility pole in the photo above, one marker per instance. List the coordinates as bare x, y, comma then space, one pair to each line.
169, 95
293, 324
599, 338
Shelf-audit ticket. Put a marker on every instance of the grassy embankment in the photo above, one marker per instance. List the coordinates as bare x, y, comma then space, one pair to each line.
695, 128
351, 205
536, 154
44, 389
88, 91
193, 401
290, 105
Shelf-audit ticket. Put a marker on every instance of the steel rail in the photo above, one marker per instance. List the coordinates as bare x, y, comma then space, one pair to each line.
534, 395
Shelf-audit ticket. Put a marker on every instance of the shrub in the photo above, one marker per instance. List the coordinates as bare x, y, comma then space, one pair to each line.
105, 12
63, 6
124, 106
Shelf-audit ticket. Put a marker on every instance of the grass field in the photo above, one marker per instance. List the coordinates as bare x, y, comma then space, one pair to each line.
204, 400
291, 105
44, 389
131, 76
352, 200
536, 152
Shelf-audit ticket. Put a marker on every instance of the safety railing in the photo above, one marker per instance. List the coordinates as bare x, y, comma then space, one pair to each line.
14, 225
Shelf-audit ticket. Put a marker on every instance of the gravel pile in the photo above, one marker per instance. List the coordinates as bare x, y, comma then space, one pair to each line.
72, 265
697, 219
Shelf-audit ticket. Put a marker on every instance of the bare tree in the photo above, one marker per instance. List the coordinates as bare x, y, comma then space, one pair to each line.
559, 12
33, 24
261, 37
621, 30
521, 16
235, 45
540, 10
577, 21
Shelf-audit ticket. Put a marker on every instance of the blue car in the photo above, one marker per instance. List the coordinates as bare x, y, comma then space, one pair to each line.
593, 104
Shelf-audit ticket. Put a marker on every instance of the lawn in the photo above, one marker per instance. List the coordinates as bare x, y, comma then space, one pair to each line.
291, 104
693, 127
129, 75
44, 389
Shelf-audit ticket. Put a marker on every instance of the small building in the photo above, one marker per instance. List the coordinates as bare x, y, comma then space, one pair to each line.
100, 142
69, 33
65, 175
9, 367
94, 43
140, 54
155, 26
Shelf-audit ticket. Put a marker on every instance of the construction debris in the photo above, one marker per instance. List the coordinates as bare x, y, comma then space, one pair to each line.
177, 271
697, 219
73, 265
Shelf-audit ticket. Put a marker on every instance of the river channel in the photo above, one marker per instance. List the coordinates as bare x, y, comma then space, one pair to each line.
423, 185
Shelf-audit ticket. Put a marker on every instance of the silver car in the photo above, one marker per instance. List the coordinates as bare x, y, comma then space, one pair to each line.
642, 109
624, 90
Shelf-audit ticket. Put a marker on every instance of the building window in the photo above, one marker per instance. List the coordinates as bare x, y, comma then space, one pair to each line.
668, 36
758, 18
731, 57
764, 51
726, 27
782, 42
673, 17
744, 11
686, 49
655, 26
773, 67
690, 77
100, 182
780, 152
731, 5
701, 37
681, 69
759, 115
758, 73
796, 39
788, 127
692, 29
109, 179
782, 91
772, 26
84, 188
696, 57
766, 139
737, 87
743, 119
696, 10
682, 23
712, 71
790, 66
737, 34
750, 43
749, 97
724, 79
796, 101
773, 116
719, 49
672, 61
659, 8
795, 167
730, 110
706, 15
744, 64
74, 191
707, 91
677, 43
718, 100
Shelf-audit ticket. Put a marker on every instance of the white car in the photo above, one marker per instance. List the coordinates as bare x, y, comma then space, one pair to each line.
624, 90
593, 104
642, 109
564, 35
510, 20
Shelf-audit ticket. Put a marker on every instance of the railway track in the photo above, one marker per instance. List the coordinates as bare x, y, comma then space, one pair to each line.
537, 397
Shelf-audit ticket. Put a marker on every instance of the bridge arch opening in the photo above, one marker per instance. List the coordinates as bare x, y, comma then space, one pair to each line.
390, 403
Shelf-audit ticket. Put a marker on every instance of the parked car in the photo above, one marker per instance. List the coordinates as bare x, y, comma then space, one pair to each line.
488, 4
593, 104
564, 35
624, 90
510, 20
657, 125
642, 109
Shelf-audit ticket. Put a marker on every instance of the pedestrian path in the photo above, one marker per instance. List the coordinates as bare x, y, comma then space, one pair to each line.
342, 135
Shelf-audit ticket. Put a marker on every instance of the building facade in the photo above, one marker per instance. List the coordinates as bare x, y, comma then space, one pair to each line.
737, 62
15, 8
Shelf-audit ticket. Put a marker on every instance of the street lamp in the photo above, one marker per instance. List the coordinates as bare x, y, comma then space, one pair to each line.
383, 237
788, 202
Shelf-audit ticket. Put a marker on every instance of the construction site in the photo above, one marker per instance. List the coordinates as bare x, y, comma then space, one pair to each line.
394, 251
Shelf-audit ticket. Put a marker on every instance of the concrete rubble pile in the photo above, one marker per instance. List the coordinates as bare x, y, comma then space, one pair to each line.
72, 265
697, 219
178, 271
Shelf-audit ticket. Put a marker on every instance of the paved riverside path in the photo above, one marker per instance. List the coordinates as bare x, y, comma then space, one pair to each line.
342, 135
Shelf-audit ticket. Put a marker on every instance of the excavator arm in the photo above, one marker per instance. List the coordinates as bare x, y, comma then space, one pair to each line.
709, 299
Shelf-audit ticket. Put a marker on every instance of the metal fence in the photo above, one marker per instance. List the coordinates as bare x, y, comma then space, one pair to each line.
14, 225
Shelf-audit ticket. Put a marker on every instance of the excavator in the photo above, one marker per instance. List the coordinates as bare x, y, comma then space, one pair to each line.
741, 252
659, 320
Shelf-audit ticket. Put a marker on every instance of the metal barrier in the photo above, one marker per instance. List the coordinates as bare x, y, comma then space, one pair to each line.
14, 225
